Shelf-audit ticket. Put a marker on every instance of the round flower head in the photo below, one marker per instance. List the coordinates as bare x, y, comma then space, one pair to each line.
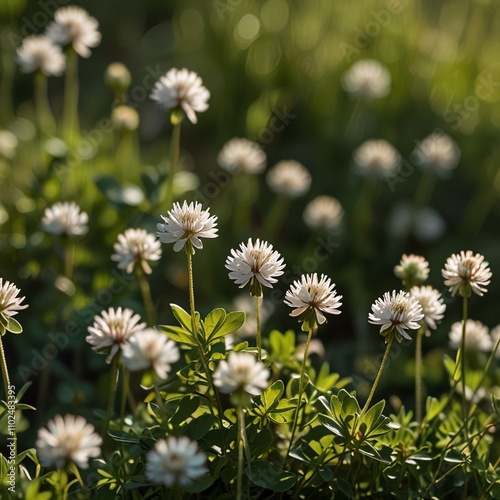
187, 223
40, 53
125, 118
412, 270
377, 157
367, 79
242, 155
324, 212
396, 313
465, 273
184, 89
432, 305
289, 177
8, 144
150, 349
136, 246
311, 298
67, 439
73, 26
256, 263
477, 337
438, 152
175, 462
112, 330
241, 372
65, 218
117, 77
10, 305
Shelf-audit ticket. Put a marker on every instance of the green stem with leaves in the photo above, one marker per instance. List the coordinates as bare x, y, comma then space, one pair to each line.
377, 379
241, 445
462, 365
112, 390
257, 322
301, 390
5, 371
418, 374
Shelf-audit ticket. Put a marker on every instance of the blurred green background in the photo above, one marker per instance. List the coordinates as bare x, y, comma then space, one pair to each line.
260, 59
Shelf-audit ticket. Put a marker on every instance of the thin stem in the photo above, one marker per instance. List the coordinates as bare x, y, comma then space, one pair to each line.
160, 401
462, 367
5, 371
377, 379
69, 257
257, 322
70, 119
111, 400
301, 392
174, 160
146, 295
125, 387
418, 375
241, 444
45, 120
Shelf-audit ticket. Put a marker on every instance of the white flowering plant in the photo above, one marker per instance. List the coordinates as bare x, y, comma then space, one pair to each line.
231, 277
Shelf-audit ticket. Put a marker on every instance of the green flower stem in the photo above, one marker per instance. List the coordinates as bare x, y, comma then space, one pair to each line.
8, 64
276, 216
418, 375
174, 160
161, 405
125, 388
69, 256
241, 444
71, 127
45, 119
111, 400
5, 371
301, 390
377, 379
146, 295
462, 365
486, 369
257, 322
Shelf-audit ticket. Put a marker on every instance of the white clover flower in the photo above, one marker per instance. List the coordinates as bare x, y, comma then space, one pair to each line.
396, 313
367, 79
289, 177
311, 298
438, 151
67, 439
466, 272
73, 26
136, 246
40, 53
412, 270
150, 349
175, 462
323, 212
125, 118
65, 218
181, 88
112, 330
187, 223
432, 305
377, 157
8, 144
242, 155
477, 337
241, 372
256, 263
10, 303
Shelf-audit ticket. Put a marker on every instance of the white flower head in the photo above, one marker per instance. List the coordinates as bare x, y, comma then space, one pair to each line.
412, 270
40, 53
112, 329
125, 118
67, 439
136, 246
323, 212
241, 372
432, 305
175, 462
242, 155
377, 157
184, 89
367, 79
466, 272
256, 263
477, 337
438, 152
187, 223
311, 298
396, 313
73, 26
149, 348
65, 218
10, 304
289, 177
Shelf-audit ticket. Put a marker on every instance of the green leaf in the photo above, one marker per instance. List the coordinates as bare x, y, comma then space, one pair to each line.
14, 326
433, 407
452, 368
270, 476
454, 456
121, 195
178, 334
271, 395
372, 415
283, 412
199, 426
350, 404
200, 484
182, 316
333, 426
217, 324
123, 437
